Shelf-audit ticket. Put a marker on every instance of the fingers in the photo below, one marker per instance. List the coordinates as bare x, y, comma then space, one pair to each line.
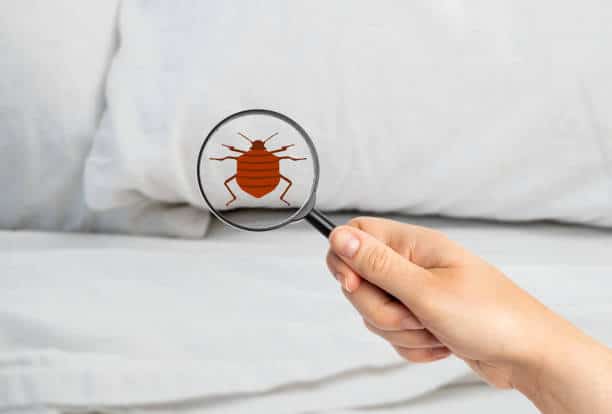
417, 338
381, 310
380, 260
373, 260
349, 280
376, 306
422, 355
389, 319
424, 247
415, 345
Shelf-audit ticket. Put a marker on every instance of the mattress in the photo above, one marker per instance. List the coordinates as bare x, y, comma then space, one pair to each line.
250, 322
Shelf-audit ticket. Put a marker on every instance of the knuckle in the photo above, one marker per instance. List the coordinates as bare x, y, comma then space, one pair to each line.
355, 222
377, 259
415, 355
412, 355
329, 260
333, 263
378, 332
424, 338
384, 318
361, 222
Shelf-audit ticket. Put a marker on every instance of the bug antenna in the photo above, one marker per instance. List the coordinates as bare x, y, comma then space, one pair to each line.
270, 137
245, 137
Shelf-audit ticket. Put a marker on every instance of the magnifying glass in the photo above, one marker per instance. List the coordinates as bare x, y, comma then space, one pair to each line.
258, 170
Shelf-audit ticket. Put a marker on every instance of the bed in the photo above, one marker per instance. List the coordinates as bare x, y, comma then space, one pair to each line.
114, 324
421, 108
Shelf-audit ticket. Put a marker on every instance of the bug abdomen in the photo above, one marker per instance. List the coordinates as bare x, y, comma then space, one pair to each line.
258, 173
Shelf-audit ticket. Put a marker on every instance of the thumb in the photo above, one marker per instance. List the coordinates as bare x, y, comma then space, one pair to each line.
380, 265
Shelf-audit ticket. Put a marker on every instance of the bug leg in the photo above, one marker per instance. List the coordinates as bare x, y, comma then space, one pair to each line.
224, 158
281, 149
286, 189
291, 158
230, 190
232, 148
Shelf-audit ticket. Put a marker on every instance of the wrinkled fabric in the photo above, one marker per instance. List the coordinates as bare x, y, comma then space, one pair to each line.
483, 109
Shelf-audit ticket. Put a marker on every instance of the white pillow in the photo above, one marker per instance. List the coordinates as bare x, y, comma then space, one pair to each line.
55, 58
493, 110
54, 61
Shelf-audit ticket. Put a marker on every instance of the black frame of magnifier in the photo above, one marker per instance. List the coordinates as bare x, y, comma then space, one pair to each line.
306, 212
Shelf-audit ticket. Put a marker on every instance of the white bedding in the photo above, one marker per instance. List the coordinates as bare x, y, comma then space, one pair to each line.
455, 108
90, 321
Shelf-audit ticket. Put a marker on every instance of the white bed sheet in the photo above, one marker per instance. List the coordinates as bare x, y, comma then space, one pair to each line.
97, 321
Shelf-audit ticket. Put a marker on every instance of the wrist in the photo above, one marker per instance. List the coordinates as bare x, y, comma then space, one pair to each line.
569, 372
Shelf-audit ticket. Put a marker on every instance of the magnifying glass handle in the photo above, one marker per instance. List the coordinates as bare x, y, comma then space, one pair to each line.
320, 222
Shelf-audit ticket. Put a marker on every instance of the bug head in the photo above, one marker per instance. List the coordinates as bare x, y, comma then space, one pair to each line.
258, 145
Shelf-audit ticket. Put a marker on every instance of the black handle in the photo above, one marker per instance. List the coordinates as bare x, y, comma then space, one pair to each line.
320, 222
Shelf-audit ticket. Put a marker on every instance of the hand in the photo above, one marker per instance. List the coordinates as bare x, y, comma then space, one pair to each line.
440, 299
429, 297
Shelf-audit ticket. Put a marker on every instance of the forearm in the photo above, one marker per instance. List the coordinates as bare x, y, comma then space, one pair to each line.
573, 375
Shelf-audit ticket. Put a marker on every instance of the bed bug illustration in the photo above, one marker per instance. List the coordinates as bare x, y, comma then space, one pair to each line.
257, 170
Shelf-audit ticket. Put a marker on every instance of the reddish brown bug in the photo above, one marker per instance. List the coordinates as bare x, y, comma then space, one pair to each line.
258, 170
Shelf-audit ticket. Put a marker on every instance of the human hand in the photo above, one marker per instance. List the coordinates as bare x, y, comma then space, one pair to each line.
429, 297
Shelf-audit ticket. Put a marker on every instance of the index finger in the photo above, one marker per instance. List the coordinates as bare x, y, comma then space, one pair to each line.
425, 247
379, 264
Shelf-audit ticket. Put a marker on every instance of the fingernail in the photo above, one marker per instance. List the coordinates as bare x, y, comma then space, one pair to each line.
346, 243
411, 323
343, 281
347, 285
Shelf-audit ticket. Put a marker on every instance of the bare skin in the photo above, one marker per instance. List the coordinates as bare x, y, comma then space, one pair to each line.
430, 298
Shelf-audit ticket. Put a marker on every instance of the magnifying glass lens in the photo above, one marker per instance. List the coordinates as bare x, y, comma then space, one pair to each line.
257, 170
